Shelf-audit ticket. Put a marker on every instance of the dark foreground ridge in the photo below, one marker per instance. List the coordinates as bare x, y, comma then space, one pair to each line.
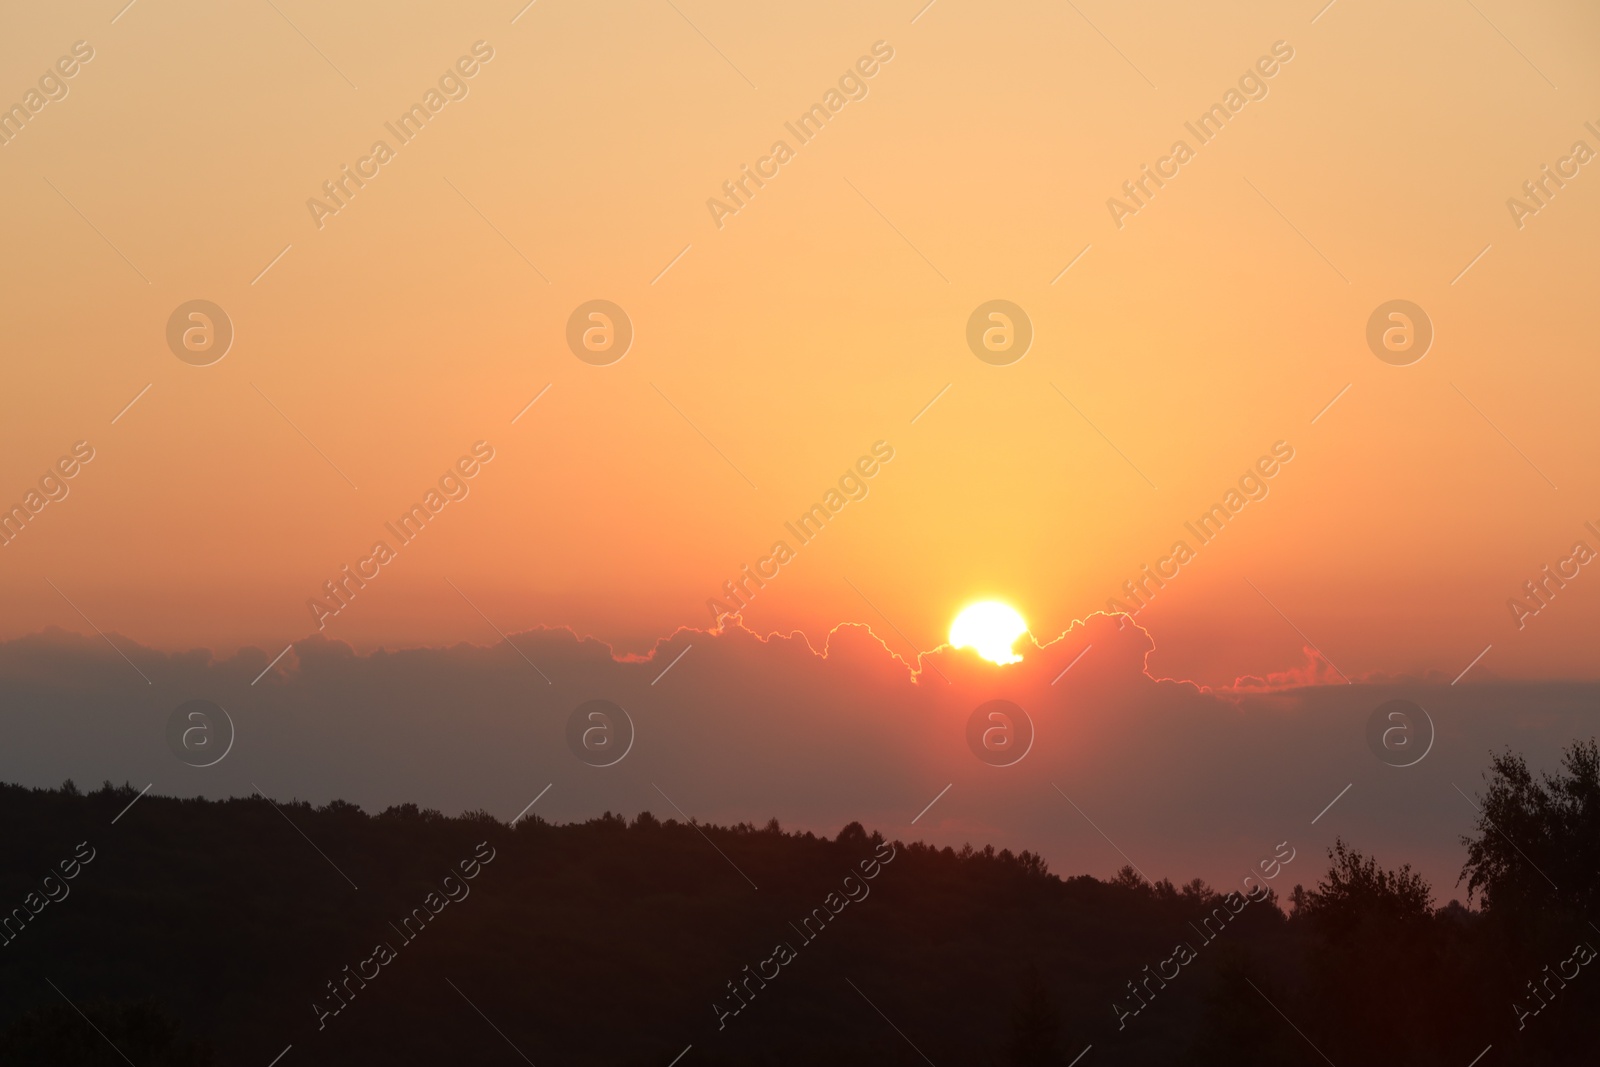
193, 932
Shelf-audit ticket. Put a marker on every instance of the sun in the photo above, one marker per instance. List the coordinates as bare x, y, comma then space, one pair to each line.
989, 628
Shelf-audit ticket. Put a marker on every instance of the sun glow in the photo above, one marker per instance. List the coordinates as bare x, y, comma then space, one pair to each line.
989, 628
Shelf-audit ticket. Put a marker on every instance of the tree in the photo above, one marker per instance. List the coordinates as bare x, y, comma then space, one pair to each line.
1035, 1026
1536, 861
1537, 848
1373, 962
142, 1032
1357, 891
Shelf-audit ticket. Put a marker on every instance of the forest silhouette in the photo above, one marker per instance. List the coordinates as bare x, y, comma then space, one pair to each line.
164, 932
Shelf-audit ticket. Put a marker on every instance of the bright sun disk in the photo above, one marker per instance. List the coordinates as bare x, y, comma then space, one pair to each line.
989, 628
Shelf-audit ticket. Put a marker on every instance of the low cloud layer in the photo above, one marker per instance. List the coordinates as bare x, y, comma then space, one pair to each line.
732, 726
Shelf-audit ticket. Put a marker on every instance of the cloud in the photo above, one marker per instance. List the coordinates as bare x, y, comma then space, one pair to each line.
1316, 670
734, 726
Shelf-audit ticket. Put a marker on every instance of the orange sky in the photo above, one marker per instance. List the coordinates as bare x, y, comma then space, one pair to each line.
820, 319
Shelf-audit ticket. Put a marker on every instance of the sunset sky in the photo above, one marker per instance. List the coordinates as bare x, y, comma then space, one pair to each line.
1202, 331
424, 324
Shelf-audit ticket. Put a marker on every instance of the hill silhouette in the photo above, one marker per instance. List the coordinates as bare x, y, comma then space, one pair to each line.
163, 931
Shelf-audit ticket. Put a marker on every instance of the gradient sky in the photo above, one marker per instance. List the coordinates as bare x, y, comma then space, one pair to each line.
823, 317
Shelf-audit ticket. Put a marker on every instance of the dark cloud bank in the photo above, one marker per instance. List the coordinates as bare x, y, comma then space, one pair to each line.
1185, 781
